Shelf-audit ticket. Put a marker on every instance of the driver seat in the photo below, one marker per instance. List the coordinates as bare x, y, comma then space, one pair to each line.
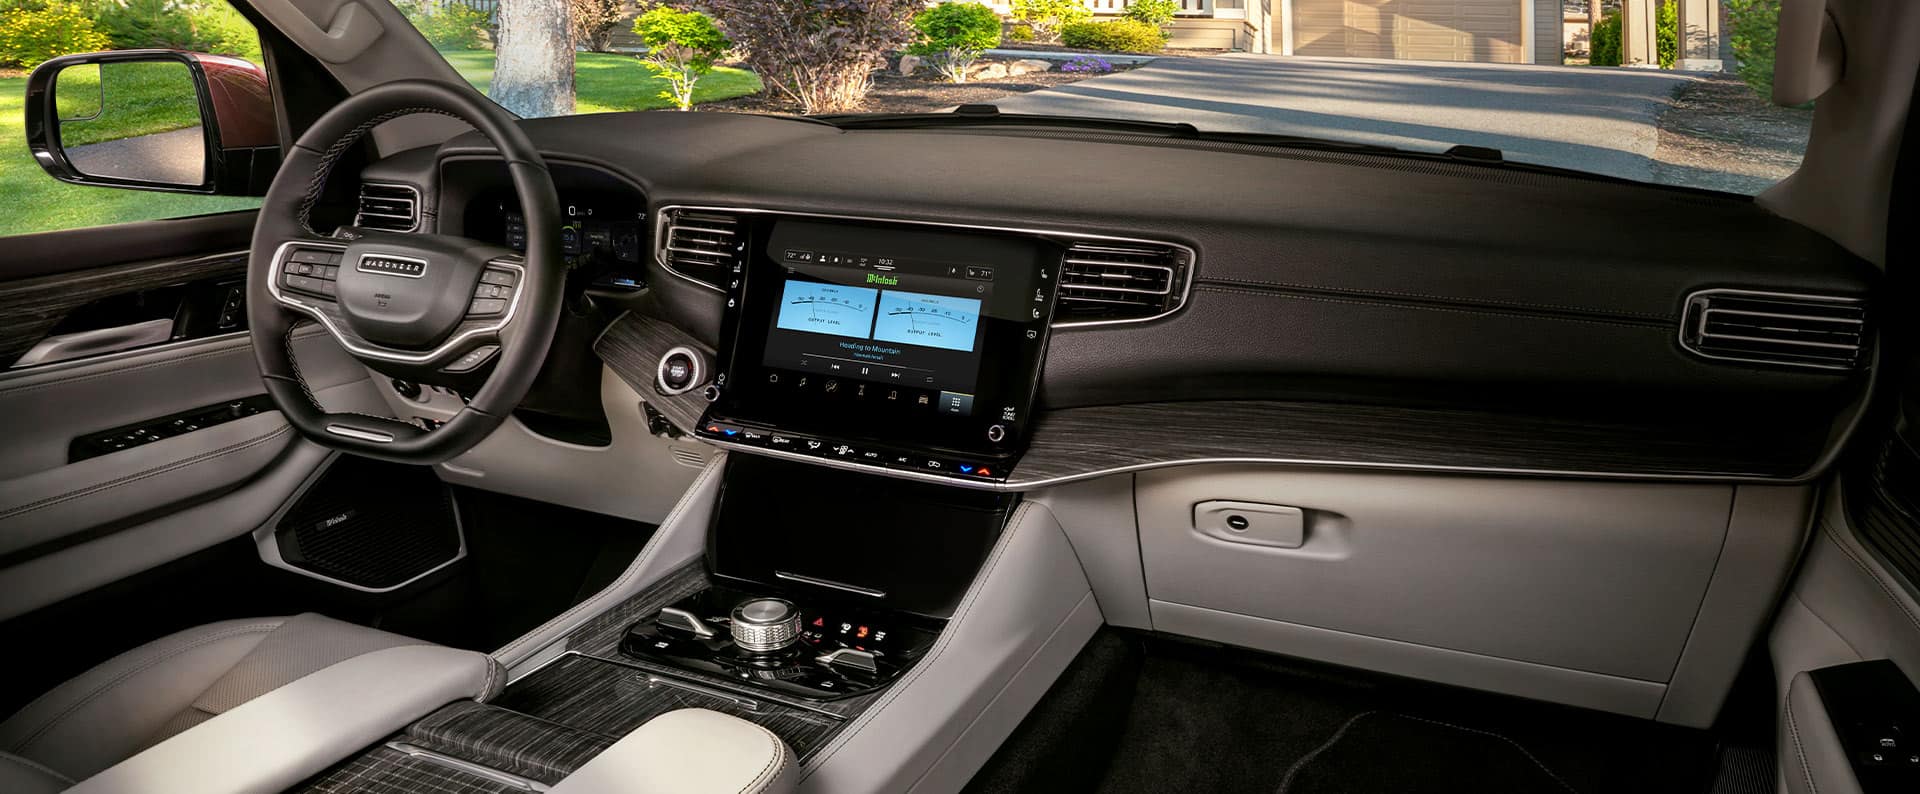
151, 693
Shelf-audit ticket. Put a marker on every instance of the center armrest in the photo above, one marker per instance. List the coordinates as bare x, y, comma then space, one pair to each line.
278, 739
690, 751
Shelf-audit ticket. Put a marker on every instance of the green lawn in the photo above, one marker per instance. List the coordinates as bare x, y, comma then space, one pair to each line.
31, 201
140, 99
607, 82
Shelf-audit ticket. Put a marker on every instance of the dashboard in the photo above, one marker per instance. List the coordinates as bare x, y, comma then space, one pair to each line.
1038, 306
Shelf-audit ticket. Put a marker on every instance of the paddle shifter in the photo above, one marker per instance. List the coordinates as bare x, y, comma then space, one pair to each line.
819, 652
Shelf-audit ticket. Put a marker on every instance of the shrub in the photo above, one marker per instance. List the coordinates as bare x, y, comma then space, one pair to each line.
448, 25
681, 49
30, 36
1020, 32
1753, 25
819, 53
1047, 17
133, 24
218, 28
1666, 31
593, 22
1158, 13
1605, 47
952, 36
1119, 35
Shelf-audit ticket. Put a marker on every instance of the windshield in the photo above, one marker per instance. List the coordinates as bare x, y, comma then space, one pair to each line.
1663, 91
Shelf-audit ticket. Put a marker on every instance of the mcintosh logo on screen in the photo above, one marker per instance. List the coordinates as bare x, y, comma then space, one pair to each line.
884, 280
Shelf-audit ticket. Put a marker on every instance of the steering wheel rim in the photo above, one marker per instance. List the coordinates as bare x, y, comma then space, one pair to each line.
420, 338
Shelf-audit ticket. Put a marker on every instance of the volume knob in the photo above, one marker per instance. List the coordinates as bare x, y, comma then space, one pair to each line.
765, 624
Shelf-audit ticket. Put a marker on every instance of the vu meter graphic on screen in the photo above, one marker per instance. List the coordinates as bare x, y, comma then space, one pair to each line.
912, 318
826, 309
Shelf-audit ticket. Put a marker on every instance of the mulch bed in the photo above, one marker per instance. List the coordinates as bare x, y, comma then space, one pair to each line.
1719, 134
921, 93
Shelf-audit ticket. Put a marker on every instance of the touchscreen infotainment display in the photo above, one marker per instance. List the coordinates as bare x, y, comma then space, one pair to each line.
922, 340
918, 338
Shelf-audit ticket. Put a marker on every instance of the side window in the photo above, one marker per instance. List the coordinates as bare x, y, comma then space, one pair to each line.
150, 118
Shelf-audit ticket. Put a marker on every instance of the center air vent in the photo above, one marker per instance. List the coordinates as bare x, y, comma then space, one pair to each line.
393, 208
1772, 328
702, 246
1121, 282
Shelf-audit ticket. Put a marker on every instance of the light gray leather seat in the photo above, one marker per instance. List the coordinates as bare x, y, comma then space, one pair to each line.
151, 693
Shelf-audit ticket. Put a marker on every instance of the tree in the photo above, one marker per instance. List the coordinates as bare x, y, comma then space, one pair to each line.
681, 49
533, 58
819, 53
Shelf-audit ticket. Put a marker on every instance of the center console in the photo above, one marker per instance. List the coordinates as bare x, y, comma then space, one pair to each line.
906, 349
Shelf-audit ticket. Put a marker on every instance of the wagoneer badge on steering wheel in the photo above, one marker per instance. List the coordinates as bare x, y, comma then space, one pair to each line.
392, 265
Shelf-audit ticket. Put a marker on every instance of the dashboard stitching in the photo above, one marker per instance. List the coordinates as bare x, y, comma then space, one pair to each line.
1415, 307
940, 646
1428, 296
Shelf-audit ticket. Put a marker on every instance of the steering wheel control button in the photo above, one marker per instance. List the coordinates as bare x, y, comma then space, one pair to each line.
486, 307
473, 359
762, 625
498, 277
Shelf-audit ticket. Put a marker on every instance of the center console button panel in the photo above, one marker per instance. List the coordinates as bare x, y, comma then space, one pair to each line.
811, 651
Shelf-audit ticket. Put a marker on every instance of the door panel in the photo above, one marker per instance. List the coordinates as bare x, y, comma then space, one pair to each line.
1845, 606
72, 518
185, 292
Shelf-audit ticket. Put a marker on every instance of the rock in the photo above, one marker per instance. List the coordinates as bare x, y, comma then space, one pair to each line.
990, 71
909, 64
1028, 66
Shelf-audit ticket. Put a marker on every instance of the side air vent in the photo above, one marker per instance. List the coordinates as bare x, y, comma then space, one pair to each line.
702, 246
1103, 282
1772, 328
393, 208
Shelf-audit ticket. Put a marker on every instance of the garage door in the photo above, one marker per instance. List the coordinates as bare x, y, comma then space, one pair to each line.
1487, 31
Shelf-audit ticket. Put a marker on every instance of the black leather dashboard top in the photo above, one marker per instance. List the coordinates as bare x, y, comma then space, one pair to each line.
1319, 275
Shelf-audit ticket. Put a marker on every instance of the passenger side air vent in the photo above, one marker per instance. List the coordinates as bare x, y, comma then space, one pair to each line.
701, 246
1773, 328
393, 208
1103, 282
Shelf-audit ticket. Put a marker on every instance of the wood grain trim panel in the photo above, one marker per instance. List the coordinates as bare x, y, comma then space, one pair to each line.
31, 307
1084, 442
632, 347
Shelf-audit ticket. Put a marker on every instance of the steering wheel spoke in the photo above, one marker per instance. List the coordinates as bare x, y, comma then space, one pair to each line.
425, 307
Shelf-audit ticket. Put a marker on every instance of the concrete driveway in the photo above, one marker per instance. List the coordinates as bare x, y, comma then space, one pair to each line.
177, 157
1600, 120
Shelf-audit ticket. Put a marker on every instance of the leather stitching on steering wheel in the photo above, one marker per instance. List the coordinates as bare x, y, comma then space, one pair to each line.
332, 155
294, 363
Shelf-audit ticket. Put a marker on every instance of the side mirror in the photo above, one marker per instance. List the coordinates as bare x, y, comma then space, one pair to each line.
184, 122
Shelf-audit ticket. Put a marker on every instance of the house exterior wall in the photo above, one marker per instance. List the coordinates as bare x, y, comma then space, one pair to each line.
1548, 45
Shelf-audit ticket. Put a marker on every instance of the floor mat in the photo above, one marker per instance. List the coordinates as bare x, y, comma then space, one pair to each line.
1138, 713
1382, 751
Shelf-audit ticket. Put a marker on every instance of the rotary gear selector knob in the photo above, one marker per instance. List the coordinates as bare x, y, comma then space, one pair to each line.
762, 625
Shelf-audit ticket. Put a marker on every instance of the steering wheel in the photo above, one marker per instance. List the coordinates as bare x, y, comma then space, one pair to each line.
430, 308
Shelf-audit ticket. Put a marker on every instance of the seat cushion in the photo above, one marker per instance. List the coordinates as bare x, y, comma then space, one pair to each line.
21, 776
146, 695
